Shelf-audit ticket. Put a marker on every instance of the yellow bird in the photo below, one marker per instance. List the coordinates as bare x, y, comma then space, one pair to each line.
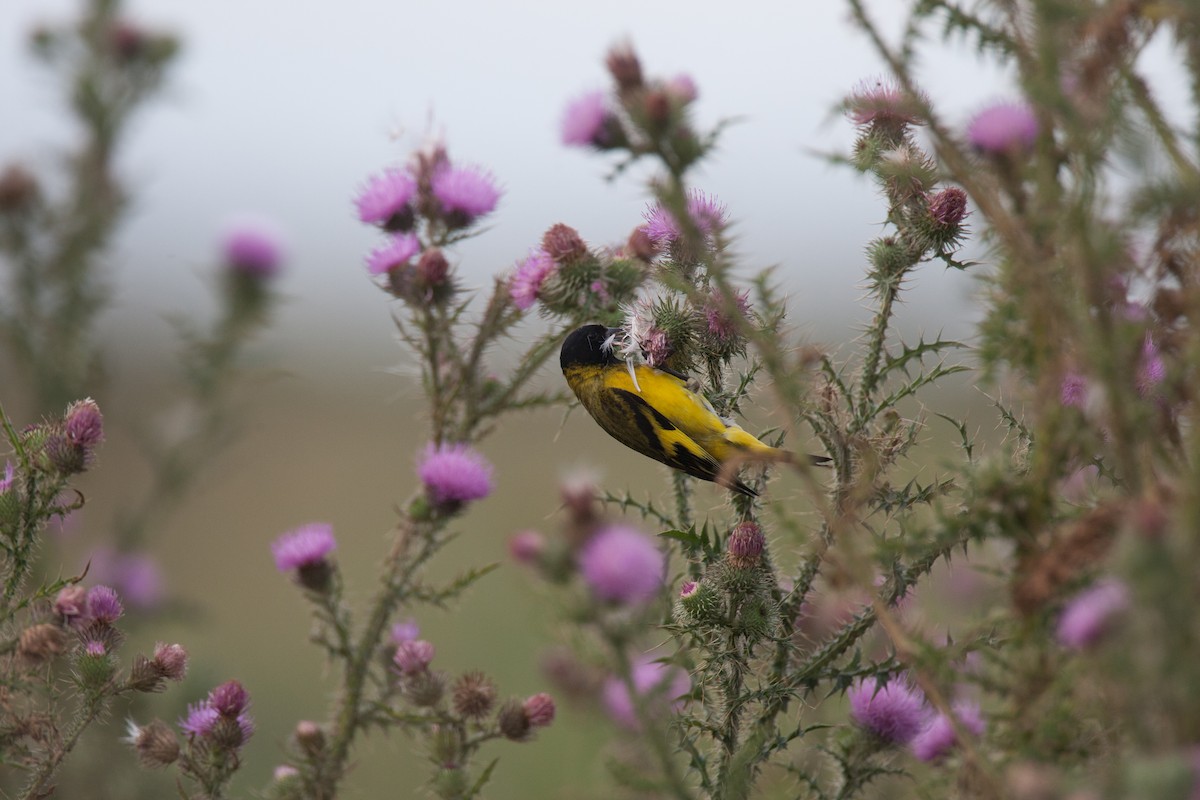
654, 412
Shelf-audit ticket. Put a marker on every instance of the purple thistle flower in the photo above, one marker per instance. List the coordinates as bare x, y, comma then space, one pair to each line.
386, 197
1087, 615
9, 477
583, 122
746, 543
662, 683
1152, 370
707, 213
136, 576
85, 423
305, 546
880, 101
938, 736
454, 473
527, 281
414, 657
229, 699
396, 253
200, 720
719, 324
948, 207
253, 247
95, 648
622, 565
893, 711
469, 192
1073, 392
1003, 128
405, 631
104, 605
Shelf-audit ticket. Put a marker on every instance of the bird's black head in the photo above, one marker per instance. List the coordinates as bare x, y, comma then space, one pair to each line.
587, 346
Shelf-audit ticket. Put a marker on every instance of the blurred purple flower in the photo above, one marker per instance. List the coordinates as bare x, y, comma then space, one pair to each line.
584, 120
718, 323
72, 603
253, 247
454, 473
303, 547
539, 709
658, 687
95, 648
104, 605
526, 547
7, 482
1073, 392
385, 196
137, 576
707, 213
893, 711
1087, 615
398, 251
1152, 370
622, 565
405, 631
527, 281
467, 191
1003, 128
938, 736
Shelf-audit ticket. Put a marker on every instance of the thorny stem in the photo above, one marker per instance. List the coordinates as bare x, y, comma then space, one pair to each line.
34, 789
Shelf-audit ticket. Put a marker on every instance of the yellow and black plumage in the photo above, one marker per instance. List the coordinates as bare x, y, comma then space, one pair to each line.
654, 412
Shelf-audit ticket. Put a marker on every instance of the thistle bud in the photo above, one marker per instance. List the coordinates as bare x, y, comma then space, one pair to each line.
746, 544
539, 709
624, 66
414, 656
425, 689
155, 744
473, 695
309, 738
948, 207
514, 722
697, 602
445, 746
41, 642
451, 784
564, 244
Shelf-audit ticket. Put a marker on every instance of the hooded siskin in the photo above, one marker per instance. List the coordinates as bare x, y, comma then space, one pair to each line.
654, 413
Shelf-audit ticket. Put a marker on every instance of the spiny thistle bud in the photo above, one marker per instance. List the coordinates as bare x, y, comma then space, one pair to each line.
433, 270
84, 423
65, 457
41, 642
888, 257
757, 619
746, 544
624, 66
513, 721
143, 677
564, 244
229, 699
155, 743
309, 738
697, 602
473, 695
883, 105
94, 666
948, 207
425, 689
539, 709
